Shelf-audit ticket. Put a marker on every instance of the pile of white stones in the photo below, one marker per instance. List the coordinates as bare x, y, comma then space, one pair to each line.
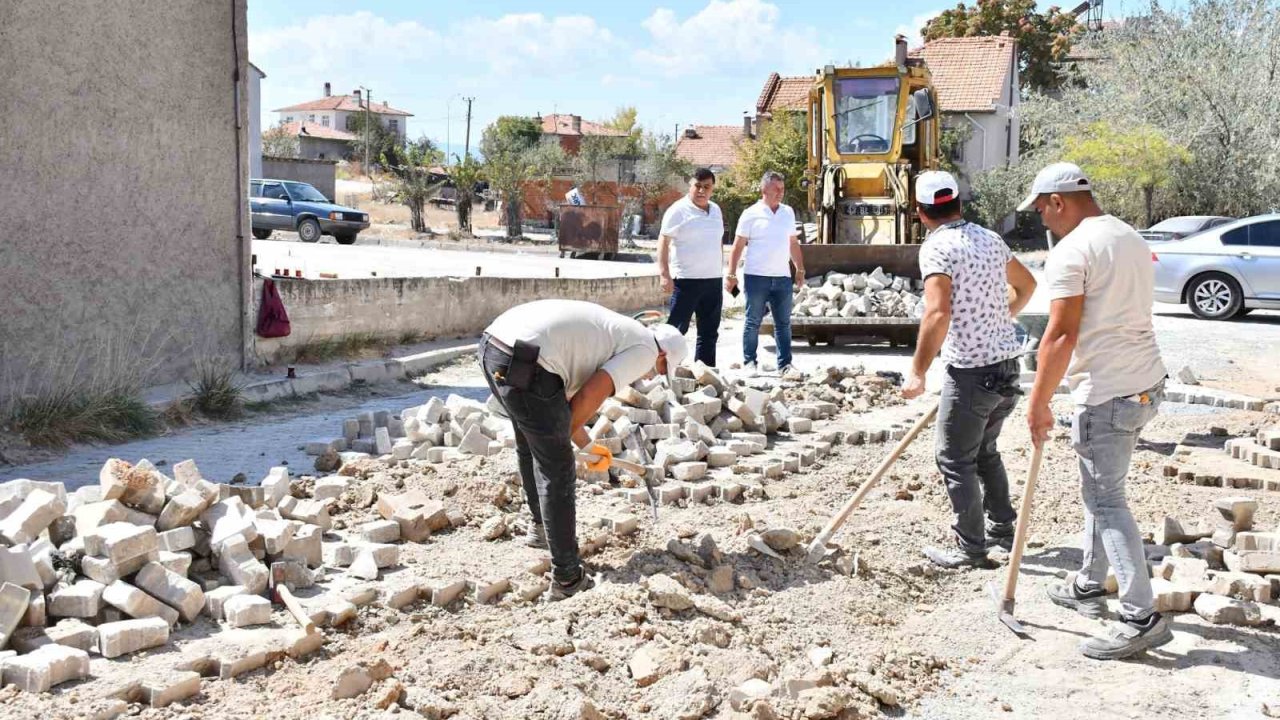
112, 568
1227, 574
873, 294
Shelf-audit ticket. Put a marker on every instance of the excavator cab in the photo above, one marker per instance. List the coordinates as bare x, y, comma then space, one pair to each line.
871, 131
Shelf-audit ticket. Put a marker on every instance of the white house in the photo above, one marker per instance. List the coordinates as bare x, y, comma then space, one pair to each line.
324, 126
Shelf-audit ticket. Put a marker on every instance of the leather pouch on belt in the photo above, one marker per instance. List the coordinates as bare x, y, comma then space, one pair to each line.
524, 361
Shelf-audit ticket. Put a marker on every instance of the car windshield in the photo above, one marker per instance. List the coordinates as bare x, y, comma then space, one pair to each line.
304, 192
1183, 225
866, 112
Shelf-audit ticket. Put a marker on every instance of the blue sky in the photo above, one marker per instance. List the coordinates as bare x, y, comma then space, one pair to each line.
678, 62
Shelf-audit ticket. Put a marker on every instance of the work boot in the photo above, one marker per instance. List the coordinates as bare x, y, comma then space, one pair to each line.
1128, 637
1000, 536
535, 536
957, 558
1089, 603
561, 590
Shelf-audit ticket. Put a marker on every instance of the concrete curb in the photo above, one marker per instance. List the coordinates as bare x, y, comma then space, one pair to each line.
368, 372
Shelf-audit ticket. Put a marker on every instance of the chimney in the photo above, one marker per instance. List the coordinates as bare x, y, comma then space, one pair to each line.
326, 89
576, 121
900, 52
356, 92
746, 126
691, 133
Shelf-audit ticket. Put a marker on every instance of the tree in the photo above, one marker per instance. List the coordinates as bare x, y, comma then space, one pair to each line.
1126, 159
278, 142
657, 165
385, 146
509, 147
594, 153
413, 182
465, 174
1044, 38
624, 121
781, 146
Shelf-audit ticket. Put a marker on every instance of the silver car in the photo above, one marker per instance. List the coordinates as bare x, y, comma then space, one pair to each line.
1183, 226
1224, 272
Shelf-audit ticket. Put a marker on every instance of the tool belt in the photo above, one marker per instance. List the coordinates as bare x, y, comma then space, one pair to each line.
523, 364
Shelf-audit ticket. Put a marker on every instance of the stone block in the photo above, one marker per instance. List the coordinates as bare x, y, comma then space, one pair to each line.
215, 600
305, 547
275, 485
487, 590
799, 425
444, 593
1251, 562
379, 531
227, 519
143, 489
1237, 512
135, 603
1268, 542
687, 471
46, 667
128, 636
106, 571
306, 511
237, 563
14, 600
176, 540
1244, 586
17, 566
80, 600
176, 562
276, 534
338, 554
1227, 611
69, 632
182, 510
622, 525
1171, 597
161, 689
25, 523
246, 610
417, 515
121, 541
172, 589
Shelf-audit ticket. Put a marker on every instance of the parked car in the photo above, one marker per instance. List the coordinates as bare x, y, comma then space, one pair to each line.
292, 205
1183, 226
1223, 272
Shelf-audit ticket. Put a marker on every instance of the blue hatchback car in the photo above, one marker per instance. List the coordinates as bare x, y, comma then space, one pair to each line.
292, 205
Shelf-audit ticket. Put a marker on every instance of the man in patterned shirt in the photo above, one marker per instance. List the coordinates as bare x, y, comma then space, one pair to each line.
969, 316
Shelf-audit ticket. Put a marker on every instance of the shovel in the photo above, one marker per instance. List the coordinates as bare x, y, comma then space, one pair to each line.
1004, 602
818, 548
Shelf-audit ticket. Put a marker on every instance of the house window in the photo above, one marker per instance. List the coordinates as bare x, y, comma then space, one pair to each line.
394, 124
324, 120
626, 171
311, 118
288, 118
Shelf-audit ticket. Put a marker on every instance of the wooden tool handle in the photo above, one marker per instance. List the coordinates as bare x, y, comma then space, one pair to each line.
295, 608
821, 540
1024, 522
619, 463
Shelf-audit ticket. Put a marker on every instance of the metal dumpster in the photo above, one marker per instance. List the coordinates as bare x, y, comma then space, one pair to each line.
590, 230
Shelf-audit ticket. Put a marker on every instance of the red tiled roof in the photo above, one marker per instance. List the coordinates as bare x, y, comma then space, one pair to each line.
784, 93
317, 131
563, 125
346, 103
969, 73
715, 145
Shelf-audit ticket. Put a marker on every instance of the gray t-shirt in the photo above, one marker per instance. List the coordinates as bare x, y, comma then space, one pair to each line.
575, 339
982, 330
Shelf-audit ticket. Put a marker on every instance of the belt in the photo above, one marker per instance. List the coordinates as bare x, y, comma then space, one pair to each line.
495, 342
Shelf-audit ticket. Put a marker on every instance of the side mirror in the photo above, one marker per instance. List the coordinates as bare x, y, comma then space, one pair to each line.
922, 103
804, 183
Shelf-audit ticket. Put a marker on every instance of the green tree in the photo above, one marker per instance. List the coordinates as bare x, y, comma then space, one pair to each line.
1044, 38
509, 146
595, 152
624, 120
413, 183
278, 142
548, 161
781, 146
465, 174
385, 146
1137, 159
657, 167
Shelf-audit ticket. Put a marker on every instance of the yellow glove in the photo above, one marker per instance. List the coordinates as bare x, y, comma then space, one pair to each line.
605, 461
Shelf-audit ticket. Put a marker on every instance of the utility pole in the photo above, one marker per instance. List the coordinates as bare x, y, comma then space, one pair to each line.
368, 105
467, 146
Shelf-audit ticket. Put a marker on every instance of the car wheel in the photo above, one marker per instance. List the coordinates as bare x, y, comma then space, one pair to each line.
1243, 311
345, 239
262, 233
1214, 296
309, 230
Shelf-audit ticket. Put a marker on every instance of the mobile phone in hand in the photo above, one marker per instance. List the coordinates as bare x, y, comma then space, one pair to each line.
735, 291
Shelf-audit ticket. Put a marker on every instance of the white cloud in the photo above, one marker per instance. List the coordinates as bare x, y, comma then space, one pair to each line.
532, 43
727, 34
328, 43
912, 28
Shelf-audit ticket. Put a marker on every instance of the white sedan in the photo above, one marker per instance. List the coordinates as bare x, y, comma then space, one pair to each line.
1224, 272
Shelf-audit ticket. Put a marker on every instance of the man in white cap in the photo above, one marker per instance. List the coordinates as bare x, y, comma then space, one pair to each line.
1101, 338
551, 364
969, 317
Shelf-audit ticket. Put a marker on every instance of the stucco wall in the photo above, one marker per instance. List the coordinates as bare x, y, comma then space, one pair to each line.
429, 307
124, 177
322, 174
312, 148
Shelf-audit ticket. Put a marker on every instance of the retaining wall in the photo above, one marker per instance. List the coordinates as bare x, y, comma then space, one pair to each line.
434, 307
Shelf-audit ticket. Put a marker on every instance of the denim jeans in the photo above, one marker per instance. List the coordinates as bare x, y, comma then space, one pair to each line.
776, 293
703, 298
1104, 437
544, 450
973, 408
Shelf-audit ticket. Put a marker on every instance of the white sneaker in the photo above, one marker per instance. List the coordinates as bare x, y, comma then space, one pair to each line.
751, 367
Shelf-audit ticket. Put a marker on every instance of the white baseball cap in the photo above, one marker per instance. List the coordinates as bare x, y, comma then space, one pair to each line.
1062, 177
934, 187
671, 341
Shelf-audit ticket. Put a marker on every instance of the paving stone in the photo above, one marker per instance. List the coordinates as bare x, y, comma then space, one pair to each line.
181, 510
46, 667
687, 471
37, 610
106, 572
1170, 597
330, 487
313, 512
622, 525
227, 519
179, 563
305, 547
401, 594
338, 554
1227, 611
237, 563
488, 590
80, 600
176, 540
276, 534
275, 485
161, 689
121, 541
380, 531
25, 523
1251, 562
1238, 511
172, 589
417, 514
14, 600
363, 566
128, 636
445, 592
245, 610
17, 566
135, 603
215, 600
1244, 586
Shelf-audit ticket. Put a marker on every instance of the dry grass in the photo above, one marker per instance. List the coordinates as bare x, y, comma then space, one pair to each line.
215, 392
61, 418
346, 347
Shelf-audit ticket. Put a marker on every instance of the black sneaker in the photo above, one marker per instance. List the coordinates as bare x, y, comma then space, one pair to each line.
1004, 542
957, 558
535, 536
1089, 603
560, 590
1128, 637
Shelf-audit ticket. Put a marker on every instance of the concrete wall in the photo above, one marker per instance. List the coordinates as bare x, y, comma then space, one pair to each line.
322, 174
255, 121
123, 169
313, 148
437, 307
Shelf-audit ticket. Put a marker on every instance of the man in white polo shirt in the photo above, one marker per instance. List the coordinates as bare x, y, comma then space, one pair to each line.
1100, 337
767, 232
691, 262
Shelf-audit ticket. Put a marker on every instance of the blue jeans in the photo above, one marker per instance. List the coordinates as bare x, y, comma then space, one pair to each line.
1104, 437
776, 293
704, 298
